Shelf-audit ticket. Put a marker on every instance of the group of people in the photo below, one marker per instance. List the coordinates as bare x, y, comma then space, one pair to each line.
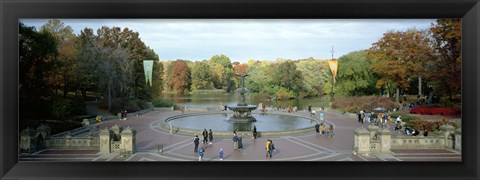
207, 136
320, 130
270, 148
372, 117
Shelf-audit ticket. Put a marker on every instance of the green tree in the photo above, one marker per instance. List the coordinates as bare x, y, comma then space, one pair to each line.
315, 76
202, 76
286, 75
36, 51
223, 77
354, 77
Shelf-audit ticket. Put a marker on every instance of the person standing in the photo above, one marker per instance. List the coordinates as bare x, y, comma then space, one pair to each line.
271, 148
235, 141
196, 141
254, 132
322, 129
240, 144
205, 136
220, 154
267, 148
210, 136
359, 115
201, 153
321, 116
317, 128
330, 131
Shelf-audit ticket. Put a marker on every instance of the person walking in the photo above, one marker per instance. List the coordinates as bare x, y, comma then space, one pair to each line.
210, 136
205, 136
271, 148
359, 115
317, 128
196, 141
267, 148
254, 132
220, 154
201, 153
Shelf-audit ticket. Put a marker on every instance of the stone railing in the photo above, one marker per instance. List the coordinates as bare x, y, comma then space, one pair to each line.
379, 140
73, 142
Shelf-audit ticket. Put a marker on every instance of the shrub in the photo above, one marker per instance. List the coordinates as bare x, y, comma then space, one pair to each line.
430, 126
61, 108
163, 103
405, 117
284, 94
357, 103
447, 111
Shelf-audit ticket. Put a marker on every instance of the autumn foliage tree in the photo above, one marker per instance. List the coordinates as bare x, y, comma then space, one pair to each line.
398, 56
180, 76
447, 64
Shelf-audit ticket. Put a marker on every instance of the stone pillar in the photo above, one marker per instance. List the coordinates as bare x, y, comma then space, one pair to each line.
105, 138
458, 139
373, 130
362, 141
128, 140
89, 140
385, 140
68, 139
448, 132
44, 131
26, 140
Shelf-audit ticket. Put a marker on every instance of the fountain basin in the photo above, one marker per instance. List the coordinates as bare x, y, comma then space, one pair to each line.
242, 114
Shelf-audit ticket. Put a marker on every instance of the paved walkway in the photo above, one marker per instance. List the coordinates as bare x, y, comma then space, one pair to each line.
305, 147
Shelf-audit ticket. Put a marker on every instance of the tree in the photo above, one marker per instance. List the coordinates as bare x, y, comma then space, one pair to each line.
65, 66
180, 76
240, 68
224, 77
36, 52
397, 57
315, 75
202, 76
287, 76
85, 74
447, 42
355, 77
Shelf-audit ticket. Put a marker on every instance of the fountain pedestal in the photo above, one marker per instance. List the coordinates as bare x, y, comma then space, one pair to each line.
242, 112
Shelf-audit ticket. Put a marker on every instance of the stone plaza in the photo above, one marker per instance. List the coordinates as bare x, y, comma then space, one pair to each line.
142, 138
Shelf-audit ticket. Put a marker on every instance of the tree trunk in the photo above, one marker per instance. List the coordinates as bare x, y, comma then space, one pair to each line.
420, 86
397, 94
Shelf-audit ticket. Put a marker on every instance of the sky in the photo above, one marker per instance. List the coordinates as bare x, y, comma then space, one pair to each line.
244, 39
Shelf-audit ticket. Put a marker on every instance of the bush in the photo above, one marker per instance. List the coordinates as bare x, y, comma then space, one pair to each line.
405, 117
61, 108
357, 103
447, 111
284, 94
163, 103
430, 126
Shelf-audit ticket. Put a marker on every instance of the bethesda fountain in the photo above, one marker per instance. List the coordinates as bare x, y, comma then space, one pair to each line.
242, 112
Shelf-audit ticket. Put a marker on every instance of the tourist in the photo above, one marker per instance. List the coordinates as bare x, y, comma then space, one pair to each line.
359, 115
295, 109
205, 136
210, 136
240, 144
309, 108
321, 116
317, 128
125, 116
313, 113
220, 154
201, 153
254, 132
267, 148
322, 129
235, 141
196, 141
367, 117
399, 120
271, 148
330, 131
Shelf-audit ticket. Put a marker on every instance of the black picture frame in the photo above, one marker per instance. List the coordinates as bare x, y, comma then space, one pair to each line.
12, 11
